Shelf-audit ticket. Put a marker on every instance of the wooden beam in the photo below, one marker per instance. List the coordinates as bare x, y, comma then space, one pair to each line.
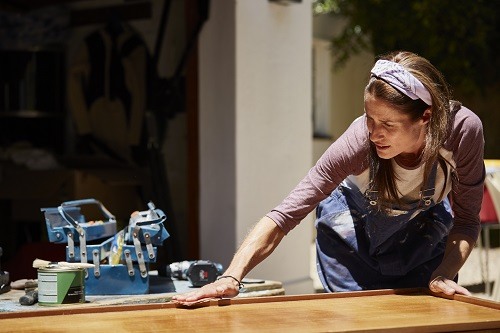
126, 12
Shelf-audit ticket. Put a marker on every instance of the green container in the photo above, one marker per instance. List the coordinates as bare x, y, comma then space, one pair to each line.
61, 285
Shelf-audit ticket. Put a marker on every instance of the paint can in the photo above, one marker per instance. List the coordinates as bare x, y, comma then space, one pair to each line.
61, 285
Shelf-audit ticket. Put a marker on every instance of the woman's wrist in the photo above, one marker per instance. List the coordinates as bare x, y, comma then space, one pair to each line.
239, 284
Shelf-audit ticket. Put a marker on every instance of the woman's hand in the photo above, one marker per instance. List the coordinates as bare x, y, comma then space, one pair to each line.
259, 244
446, 286
224, 287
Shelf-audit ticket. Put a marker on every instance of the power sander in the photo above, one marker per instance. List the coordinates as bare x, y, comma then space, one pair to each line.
4, 278
198, 273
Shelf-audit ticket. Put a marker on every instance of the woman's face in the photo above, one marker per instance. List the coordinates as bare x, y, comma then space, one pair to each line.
395, 134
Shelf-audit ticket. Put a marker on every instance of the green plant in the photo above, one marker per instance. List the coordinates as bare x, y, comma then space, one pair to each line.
460, 37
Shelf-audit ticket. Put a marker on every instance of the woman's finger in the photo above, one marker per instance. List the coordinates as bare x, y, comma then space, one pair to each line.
449, 287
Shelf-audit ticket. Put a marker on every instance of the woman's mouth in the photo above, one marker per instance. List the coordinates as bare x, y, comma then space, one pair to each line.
381, 147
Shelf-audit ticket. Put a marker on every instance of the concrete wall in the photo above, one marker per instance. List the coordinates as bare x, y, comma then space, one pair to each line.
256, 129
256, 139
348, 82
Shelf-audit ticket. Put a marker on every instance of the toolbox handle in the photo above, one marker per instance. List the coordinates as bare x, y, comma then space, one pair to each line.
81, 202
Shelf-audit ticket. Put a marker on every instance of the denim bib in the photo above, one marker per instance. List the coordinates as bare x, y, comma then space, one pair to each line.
360, 247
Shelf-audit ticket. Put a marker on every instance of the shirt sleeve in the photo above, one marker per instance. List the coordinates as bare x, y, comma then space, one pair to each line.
348, 155
467, 144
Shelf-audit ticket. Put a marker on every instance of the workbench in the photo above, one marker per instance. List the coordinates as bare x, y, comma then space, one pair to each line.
406, 310
161, 290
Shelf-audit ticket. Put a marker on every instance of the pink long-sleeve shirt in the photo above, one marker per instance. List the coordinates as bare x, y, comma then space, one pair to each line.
346, 160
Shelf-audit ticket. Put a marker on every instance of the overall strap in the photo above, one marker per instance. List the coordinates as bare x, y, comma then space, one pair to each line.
372, 192
426, 193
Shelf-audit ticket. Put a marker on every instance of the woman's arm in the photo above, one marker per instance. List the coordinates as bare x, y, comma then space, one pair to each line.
467, 143
458, 248
257, 246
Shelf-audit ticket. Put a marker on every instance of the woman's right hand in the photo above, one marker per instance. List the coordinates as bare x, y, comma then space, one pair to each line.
259, 243
224, 287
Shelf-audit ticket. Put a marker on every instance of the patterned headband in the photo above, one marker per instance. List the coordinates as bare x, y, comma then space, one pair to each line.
399, 78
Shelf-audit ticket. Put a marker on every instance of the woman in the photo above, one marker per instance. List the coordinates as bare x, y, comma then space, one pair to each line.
381, 192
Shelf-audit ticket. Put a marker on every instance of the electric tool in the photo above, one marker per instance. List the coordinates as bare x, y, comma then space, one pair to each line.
198, 273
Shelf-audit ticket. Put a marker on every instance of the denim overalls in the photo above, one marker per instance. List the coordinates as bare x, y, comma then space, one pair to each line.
360, 247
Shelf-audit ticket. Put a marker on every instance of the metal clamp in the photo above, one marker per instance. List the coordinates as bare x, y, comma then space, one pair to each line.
426, 196
371, 195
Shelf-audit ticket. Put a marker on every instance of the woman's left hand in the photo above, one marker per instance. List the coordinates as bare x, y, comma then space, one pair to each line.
446, 286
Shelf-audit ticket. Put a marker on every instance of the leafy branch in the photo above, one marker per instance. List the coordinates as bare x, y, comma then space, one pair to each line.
460, 37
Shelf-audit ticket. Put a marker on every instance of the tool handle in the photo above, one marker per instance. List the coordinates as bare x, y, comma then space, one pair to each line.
30, 298
81, 202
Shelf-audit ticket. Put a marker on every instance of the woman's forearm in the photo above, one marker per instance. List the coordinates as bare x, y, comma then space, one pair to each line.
458, 248
258, 245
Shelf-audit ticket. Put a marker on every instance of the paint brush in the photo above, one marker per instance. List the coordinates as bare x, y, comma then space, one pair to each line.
39, 263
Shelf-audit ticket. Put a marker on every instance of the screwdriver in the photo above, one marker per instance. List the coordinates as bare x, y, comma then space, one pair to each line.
31, 296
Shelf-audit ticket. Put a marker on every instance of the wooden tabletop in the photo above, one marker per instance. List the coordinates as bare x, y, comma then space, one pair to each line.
409, 310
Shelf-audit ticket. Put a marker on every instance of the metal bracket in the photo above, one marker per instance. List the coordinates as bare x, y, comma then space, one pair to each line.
149, 246
138, 252
426, 195
83, 244
96, 259
128, 260
71, 245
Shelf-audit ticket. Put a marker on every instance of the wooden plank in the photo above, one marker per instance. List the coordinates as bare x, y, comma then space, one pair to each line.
375, 311
468, 299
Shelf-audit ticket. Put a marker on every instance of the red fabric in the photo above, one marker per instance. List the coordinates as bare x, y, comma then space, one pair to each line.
487, 213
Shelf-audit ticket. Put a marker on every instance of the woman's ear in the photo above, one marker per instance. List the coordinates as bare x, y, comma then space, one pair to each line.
426, 117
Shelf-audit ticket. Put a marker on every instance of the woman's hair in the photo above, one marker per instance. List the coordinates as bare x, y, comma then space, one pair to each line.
384, 178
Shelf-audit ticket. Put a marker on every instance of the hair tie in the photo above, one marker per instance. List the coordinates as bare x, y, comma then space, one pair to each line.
401, 79
240, 285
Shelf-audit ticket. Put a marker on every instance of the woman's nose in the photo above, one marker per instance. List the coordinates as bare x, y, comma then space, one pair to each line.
375, 131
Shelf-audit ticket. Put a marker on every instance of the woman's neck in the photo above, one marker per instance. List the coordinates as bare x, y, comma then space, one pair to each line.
408, 161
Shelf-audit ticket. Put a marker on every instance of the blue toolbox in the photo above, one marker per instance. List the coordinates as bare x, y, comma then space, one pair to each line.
121, 261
